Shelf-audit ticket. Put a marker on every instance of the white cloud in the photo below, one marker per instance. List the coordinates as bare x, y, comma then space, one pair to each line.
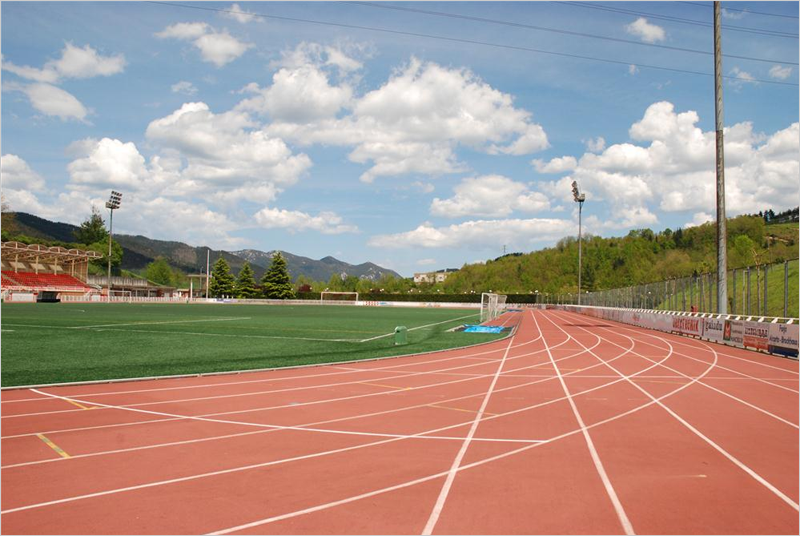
735, 15
649, 33
238, 14
780, 73
185, 31
596, 145
219, 48
700, 218
742, 77
490, 196
75, 62
633, 69
674, 170
225, 154
426, 262
52, 100
414, 123
109, 163
187, 88
298, 95
85, 62
17, 175
294, 221
556, 165
480, 234
424, 187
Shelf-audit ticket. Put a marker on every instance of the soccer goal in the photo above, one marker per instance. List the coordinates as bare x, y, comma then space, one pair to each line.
122, 296
492, 306
329, 295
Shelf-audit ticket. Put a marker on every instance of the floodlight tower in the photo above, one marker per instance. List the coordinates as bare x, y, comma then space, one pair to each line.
113, 203
579, 198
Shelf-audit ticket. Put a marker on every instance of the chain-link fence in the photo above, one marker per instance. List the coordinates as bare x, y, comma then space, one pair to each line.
767, 290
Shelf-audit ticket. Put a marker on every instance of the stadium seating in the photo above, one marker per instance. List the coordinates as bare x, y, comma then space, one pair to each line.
43, 281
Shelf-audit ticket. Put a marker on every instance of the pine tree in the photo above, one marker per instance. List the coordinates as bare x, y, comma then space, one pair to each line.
276, 282
246, 283
222, 282
92, 230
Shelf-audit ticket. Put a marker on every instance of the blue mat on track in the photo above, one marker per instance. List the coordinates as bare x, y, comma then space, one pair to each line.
483, 329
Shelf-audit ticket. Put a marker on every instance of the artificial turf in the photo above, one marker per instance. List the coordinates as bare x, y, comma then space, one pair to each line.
57, 342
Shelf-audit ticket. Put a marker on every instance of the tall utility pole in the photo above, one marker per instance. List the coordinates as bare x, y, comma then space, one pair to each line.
112, 204
722, 234
579, 198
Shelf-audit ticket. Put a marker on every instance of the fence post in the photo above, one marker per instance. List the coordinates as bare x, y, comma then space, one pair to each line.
733, 305
766, 269
748, 292
691, 291
785, 289
683, 293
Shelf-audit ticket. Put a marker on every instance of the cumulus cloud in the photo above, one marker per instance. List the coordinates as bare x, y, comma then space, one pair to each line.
479, 234
226, 154
780, 72
699, 218
219, 48
741, 78
672, 167
414, 122
17, 175
108, 163
187, 88
238, 14
647, 32
490, 196
556, 165
294, 221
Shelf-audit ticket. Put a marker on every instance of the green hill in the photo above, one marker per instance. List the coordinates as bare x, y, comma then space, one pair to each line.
640, 257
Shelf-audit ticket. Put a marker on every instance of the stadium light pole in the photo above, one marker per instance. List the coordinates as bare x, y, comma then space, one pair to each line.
722, 231
113, 203
579, 198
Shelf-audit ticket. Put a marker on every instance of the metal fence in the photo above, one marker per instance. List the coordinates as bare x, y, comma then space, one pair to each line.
767, 290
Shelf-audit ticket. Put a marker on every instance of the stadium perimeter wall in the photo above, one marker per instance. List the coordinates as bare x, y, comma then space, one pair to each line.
765, 335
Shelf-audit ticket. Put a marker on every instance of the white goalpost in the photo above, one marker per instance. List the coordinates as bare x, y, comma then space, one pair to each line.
121, 296
492, 306
329, 295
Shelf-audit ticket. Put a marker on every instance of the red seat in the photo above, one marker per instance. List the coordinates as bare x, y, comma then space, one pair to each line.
43, 281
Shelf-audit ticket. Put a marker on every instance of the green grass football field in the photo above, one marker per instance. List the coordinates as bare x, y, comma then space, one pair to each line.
52, 343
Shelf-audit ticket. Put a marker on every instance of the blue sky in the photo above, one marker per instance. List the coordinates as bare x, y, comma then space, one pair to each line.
228, 129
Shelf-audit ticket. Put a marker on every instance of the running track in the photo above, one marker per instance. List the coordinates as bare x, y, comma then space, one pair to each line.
573, 425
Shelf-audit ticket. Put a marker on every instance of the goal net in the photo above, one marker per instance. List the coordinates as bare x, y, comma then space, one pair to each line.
492, 306
329, 295
121, 295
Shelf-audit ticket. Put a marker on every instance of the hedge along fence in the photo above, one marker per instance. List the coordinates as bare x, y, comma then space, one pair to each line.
419, 297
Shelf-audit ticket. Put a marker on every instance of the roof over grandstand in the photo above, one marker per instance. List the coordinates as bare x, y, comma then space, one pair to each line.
44, 253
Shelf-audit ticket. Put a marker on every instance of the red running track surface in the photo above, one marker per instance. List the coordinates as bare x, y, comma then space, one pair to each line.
573, 425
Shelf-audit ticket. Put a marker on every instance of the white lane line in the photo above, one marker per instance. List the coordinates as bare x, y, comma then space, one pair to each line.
419, 327
159, 322
598, 464
758, 478
451, 475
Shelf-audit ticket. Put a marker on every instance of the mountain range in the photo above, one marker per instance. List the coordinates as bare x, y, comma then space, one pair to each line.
139, 251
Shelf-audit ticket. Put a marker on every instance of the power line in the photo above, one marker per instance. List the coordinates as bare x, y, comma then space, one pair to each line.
469, 41
759, 31
559, 31
743, 10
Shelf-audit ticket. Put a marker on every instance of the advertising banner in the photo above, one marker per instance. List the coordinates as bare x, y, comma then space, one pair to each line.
783, 339
714, 329
688, 325
756, 335
733, 333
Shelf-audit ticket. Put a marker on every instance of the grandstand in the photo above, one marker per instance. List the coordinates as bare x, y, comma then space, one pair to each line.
30, 272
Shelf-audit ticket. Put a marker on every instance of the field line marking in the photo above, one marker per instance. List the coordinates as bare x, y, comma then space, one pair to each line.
396, 388
601, 471
53, 446
163, 322
419, 327
451, 475
460, 409
698, 433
